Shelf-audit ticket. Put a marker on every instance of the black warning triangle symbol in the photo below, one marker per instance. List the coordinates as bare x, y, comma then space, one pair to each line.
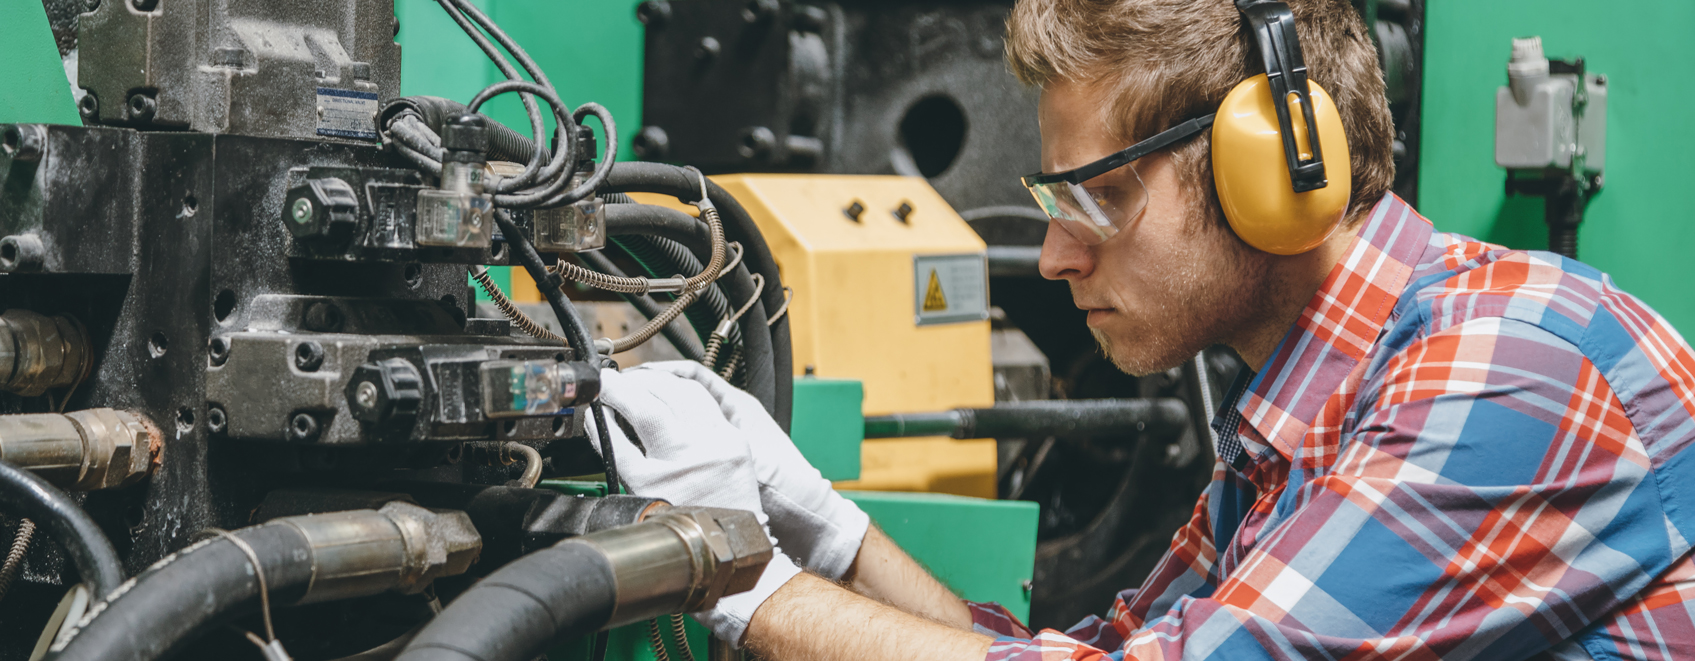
934, 299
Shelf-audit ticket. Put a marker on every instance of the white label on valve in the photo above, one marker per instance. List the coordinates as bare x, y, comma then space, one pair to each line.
950, 289
347, 113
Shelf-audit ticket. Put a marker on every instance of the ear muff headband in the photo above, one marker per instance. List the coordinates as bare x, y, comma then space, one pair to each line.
1280, 155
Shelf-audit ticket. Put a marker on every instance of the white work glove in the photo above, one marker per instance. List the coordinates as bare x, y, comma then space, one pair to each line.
817, 526
693, 456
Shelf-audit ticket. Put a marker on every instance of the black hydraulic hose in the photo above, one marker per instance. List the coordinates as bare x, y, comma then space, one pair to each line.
562, 592
193, 591
572, 324
738, 285
674, 181
27, 495
674, 332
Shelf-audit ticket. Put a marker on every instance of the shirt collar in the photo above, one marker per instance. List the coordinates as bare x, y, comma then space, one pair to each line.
1335, 330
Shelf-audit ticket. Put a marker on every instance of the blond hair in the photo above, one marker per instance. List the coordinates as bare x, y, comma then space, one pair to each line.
1161, 62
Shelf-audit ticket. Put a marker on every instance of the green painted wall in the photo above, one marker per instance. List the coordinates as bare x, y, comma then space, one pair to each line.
35, 89
1639, 229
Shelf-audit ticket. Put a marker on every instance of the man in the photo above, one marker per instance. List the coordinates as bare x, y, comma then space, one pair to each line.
1444, 449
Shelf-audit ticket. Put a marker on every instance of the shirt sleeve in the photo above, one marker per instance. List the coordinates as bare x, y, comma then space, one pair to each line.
1492, 500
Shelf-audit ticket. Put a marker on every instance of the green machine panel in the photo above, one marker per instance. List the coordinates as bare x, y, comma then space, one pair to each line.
1637, 228
36, 88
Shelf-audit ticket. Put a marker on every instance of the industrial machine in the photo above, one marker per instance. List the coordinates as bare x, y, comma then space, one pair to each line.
266, 315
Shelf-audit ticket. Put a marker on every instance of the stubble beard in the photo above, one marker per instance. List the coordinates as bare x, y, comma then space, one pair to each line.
1205, 303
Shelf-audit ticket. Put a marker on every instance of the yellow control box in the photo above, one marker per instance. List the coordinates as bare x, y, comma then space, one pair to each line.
891, 288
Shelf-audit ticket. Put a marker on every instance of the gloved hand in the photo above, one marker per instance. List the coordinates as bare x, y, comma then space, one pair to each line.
817, 526
689, 455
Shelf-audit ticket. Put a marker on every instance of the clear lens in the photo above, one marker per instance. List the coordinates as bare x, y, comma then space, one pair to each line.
1097, 209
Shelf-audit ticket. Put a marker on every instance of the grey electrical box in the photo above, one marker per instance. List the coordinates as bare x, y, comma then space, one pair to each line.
1549, 118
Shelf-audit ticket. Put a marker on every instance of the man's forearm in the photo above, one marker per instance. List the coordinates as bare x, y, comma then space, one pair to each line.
812, 619
886, 573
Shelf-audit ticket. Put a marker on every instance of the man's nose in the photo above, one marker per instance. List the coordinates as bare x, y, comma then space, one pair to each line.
1063, 256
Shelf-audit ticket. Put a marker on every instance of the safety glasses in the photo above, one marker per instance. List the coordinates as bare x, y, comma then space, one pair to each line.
1097, 200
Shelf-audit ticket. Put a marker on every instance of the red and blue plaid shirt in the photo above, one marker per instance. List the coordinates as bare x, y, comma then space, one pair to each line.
1459, 451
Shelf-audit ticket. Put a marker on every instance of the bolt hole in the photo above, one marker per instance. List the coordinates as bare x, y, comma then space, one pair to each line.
190, 205
218, 349
559, 357
88, 105
559, 425
509, 427
8, 253
223, 304
185, 420
12, 139
156, 346
215, 420
456, 453
933, 133
414, 275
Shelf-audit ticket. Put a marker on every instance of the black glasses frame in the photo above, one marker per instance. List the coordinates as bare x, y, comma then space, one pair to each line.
1119, 159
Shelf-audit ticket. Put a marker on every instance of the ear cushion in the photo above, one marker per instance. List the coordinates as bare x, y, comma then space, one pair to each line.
1253, 178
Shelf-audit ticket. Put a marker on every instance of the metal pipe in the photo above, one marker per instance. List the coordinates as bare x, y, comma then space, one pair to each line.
39, 353
82, 451
1072, 418
679, 560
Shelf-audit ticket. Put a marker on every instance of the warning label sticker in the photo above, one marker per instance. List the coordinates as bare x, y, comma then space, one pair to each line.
950, 289
347, 113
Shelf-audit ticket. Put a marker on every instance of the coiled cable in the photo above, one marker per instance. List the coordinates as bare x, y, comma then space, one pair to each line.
513, 314
15, 557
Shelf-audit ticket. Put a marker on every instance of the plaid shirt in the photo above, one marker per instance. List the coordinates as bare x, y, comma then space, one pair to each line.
1459, 451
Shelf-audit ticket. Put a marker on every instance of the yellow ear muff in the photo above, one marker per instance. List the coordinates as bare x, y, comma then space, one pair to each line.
1253, 178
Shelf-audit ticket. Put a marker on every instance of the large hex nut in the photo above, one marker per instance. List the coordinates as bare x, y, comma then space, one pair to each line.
438, 543
120, 448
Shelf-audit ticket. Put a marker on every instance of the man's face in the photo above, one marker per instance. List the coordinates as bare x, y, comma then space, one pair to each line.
1170, 283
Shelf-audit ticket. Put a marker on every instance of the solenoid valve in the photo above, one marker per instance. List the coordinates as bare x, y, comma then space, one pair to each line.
459, 214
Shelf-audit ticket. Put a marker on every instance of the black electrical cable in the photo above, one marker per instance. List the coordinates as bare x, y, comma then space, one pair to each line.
572, 324
457, 10
24, 494
649, 308
660, 257
770, 354
191, 592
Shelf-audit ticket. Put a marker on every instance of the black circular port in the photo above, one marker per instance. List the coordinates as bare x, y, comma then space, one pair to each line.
413, 274
185, 420
558, 425
8, 254
216, 422
303, 427
308, 356
509, 428
157, 344
190, 205
933, 134
11, 139
223, 304
218, 350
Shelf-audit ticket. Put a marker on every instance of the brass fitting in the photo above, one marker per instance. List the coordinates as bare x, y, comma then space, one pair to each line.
82, 451
38, 352
682, 560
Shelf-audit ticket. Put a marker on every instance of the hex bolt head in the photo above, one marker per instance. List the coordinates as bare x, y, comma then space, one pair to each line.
756, 143
216, 420
651, 144
302, 427
308, 356
301, 211
854, 211
89, 105
144, 5
323, 317
903, 213
218, 351
708, 49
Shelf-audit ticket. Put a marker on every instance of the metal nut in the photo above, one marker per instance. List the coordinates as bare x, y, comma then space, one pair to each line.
308, 356
120, 448
438, 543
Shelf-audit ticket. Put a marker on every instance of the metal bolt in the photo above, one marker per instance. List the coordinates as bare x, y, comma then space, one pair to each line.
365, 395
301, 212
218, 350
651, 144
757, 143
302, 427
308, 356
89, 105
144, 5
854, 211
216, 421
707, 49
142, 106
903, 213
654, 13
323, 317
